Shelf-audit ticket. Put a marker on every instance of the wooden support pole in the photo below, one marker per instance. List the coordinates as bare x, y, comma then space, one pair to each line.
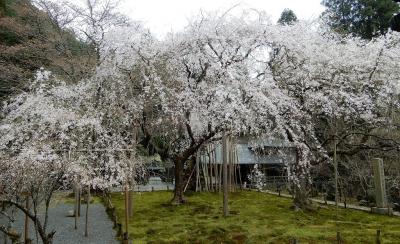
235, 163
338, 238
126, 234
378, 237
225, 155
216, 174
79, 200
76, 206
220, 166
190, 177
132, 190
87, 212
335, 165
240, 176
3, 208
229, 168
211, 168
26, 228
197, 171
204, 167
206, 170
130, 205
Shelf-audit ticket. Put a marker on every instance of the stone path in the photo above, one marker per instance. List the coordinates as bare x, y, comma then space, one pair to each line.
350, 206
100, 226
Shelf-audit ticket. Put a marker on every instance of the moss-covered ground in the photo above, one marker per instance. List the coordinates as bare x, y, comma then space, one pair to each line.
255, 217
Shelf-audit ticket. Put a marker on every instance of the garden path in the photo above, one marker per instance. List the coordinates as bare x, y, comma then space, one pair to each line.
100, 226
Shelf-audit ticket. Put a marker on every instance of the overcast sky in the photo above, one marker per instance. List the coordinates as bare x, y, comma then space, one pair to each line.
162, 16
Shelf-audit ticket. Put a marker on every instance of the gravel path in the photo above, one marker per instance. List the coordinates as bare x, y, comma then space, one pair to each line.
100, 226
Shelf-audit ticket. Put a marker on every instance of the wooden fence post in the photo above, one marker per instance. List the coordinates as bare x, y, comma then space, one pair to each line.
76, 207
130, 201
126, 234
26, 234
378, 237
87, 212
338, 237
225, 155
79, 200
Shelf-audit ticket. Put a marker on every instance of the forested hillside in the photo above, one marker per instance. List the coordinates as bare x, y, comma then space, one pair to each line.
30, 39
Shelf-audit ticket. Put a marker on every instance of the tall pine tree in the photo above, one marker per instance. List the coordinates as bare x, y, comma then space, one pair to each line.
363, 18
287, 17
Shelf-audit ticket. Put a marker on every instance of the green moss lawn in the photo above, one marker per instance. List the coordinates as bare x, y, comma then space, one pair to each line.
255, 218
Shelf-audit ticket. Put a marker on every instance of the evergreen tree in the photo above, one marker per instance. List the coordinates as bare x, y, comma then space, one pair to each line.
395, 23
287, 17
363, 18
2, 8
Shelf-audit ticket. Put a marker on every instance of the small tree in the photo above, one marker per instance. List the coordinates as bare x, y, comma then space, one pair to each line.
287, 17
34, 124
257, 177
39, 131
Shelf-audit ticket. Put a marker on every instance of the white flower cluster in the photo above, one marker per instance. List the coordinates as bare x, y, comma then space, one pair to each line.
257, 177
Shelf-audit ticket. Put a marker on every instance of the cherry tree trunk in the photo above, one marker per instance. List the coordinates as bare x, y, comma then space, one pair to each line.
179, 183
301, 190
47, 240
26, 228
301, 199
301, 185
